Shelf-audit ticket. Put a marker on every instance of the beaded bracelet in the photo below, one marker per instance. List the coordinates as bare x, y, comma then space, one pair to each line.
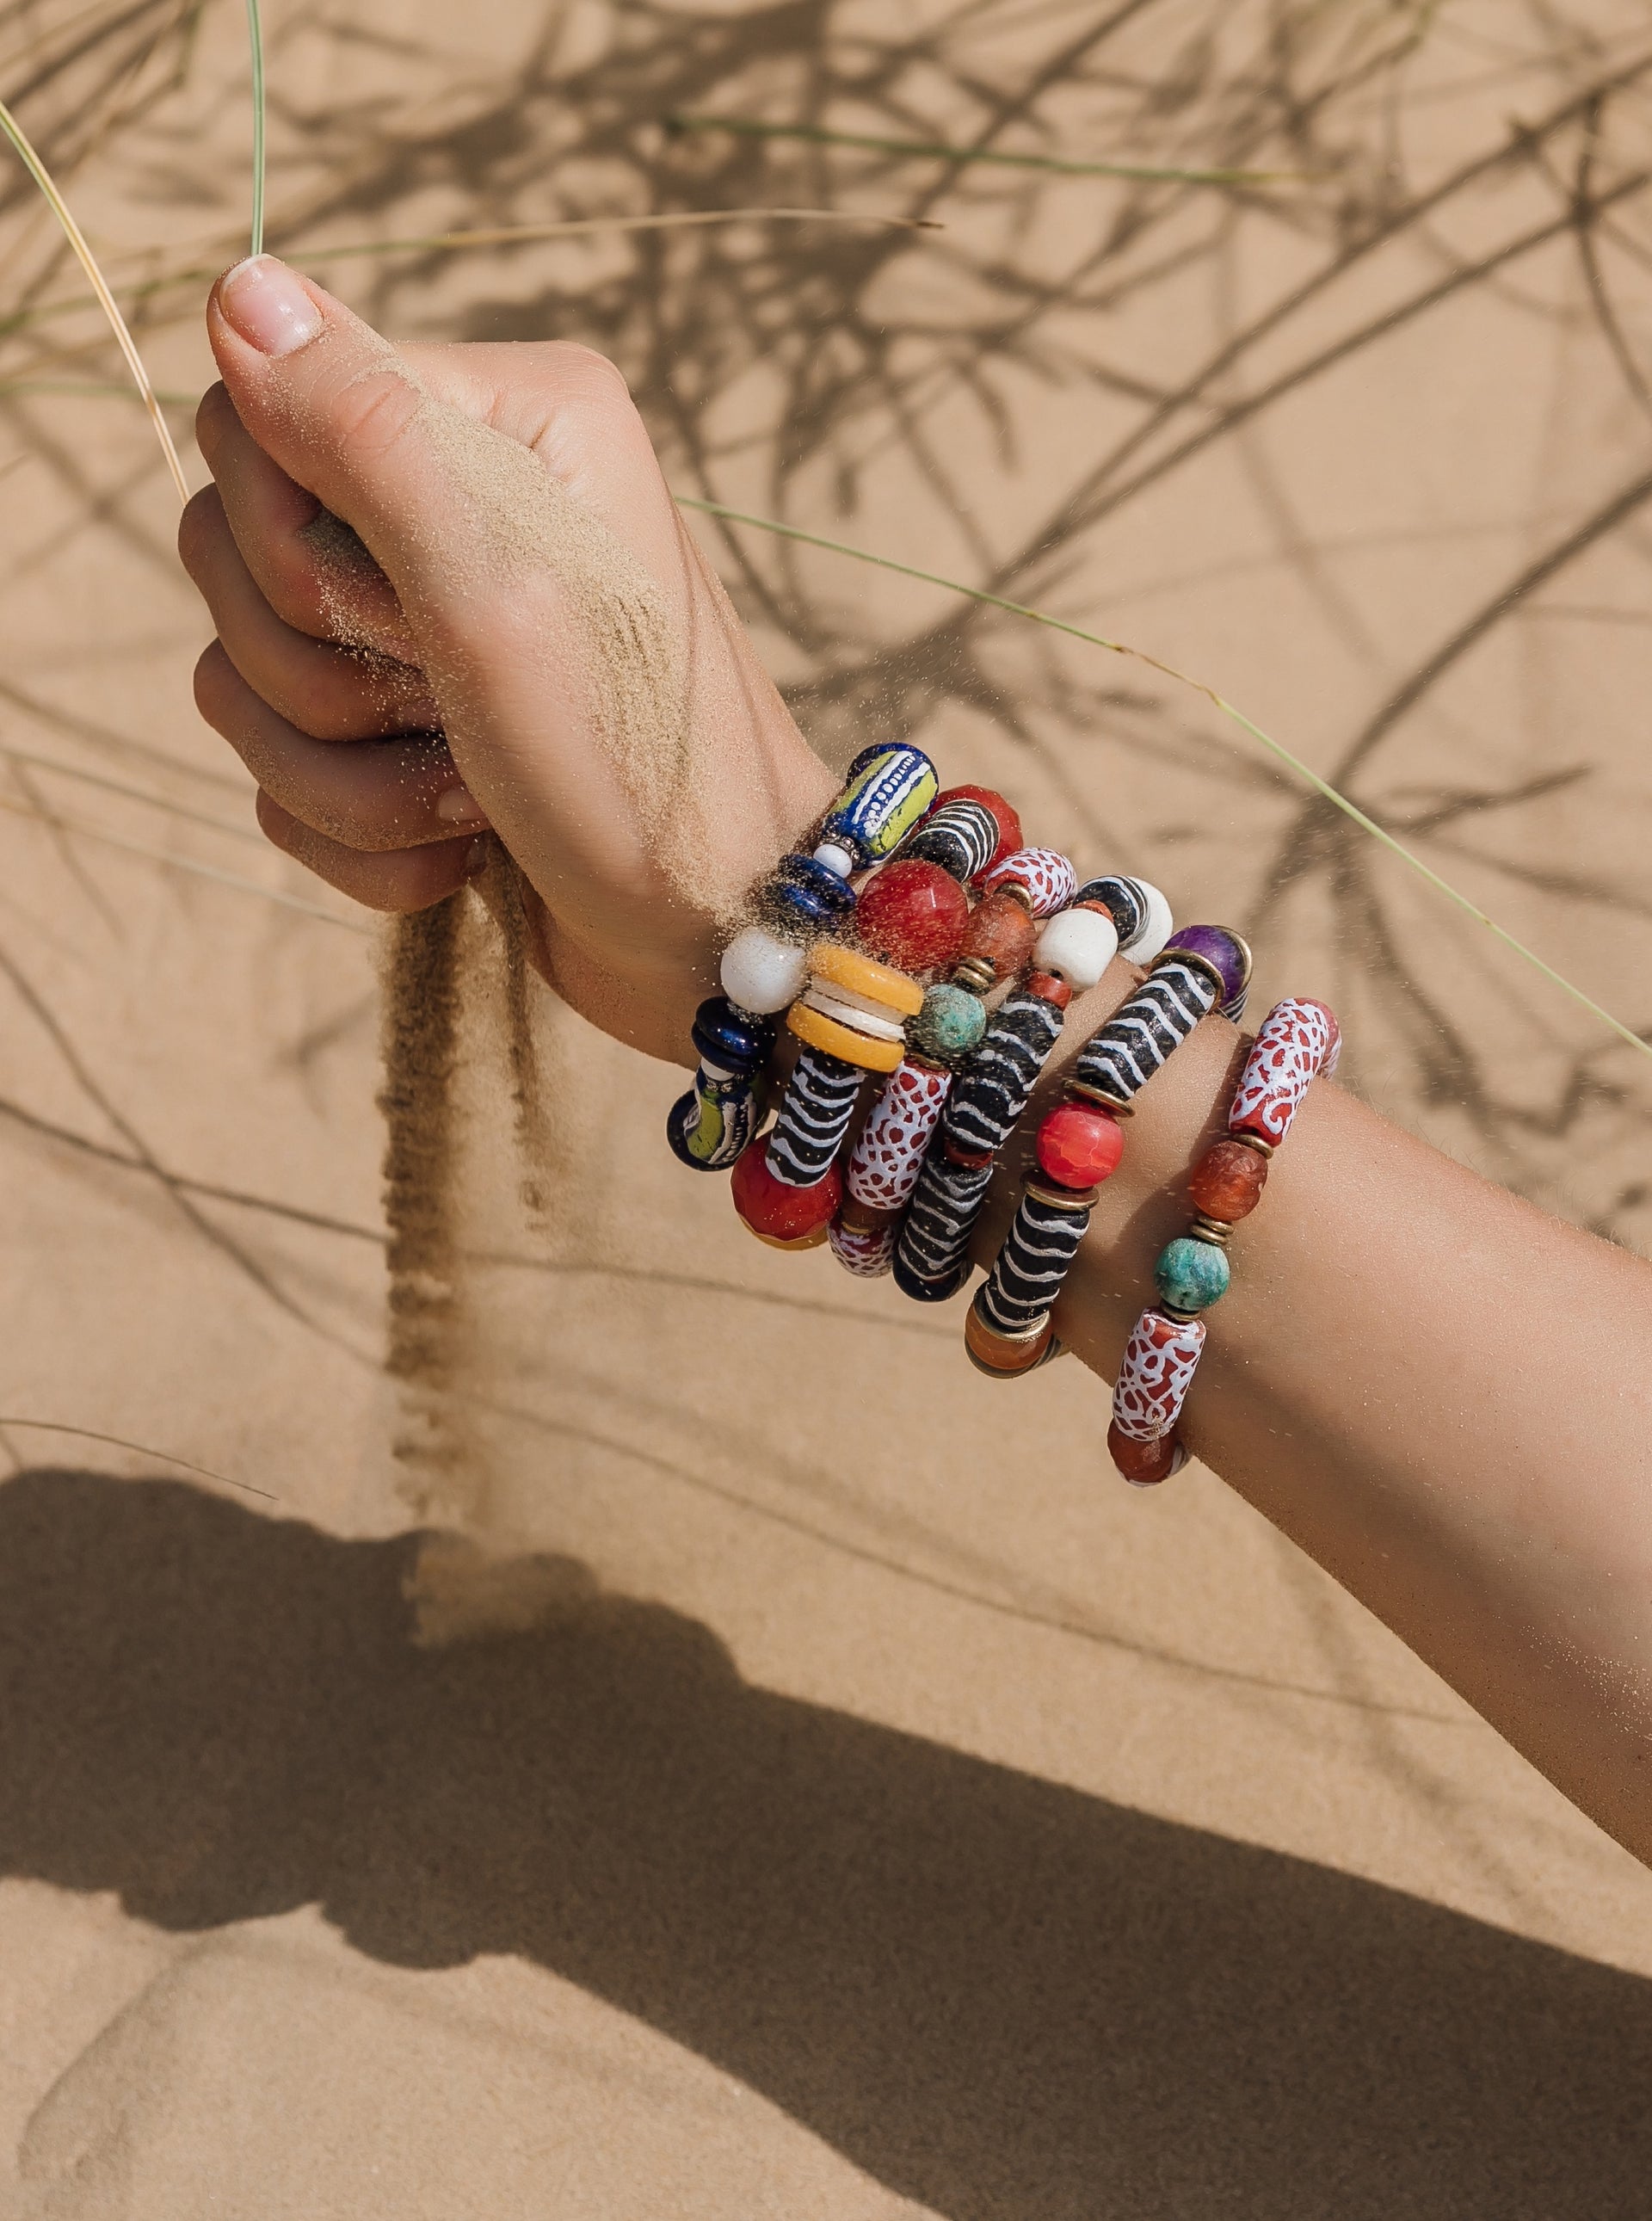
1298, 1041
1079, 1144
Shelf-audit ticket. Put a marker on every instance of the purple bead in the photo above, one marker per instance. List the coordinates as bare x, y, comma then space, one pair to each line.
1228, 955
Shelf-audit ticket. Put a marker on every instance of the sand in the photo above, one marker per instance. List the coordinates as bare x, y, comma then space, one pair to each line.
831, 1794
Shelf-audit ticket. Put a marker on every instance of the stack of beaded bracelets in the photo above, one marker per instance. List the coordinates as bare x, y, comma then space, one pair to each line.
845, 964
1298, 1041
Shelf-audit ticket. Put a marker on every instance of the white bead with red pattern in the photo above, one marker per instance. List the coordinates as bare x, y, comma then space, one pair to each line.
1050, 879
1298, 1042
888, 1155
866, 1256
1155, 1375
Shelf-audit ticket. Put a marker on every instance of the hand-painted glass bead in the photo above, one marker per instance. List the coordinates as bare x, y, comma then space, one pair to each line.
1079, 945
949, 1025
889, 790
866, 1253
962, 834
727, 1035
1299, 1040
710, 1126
1191, 1275
1142, 914
1079, 1145
888, 1152
913, 914
1155, 1374
1001, 935
1228, 955
760, 972
1227, 1182
1049, 880
1005, 1356
1008, 824
1145, 1463
779, 1214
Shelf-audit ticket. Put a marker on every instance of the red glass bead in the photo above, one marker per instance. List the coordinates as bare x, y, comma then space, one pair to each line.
1049, 988
1008, 824
914, 916
1144, 1463
1227, 1182
1001, 934
1080, 1145
776, 1212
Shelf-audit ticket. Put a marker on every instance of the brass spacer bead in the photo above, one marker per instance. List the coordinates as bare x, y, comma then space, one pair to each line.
1023, 895
1064, 1198
1209, 1229
1100, 1095
1182, 1319
1167, 956
974, 973
1252, 1141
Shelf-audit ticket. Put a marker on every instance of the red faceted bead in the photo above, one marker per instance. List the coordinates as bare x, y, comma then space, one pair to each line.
1001, 934
1008, 824
775, 1211
1079, 1144
1228, 1181
914, 915
1144, 1463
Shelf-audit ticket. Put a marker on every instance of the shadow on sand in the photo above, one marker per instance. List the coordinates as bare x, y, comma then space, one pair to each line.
1001, 1998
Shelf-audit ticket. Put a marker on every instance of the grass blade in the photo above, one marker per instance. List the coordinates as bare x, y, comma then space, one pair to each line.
255, 44
139, 1449
1275, 749
1144, 172
37, 169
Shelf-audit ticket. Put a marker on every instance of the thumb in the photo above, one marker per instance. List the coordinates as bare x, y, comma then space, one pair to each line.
337, 408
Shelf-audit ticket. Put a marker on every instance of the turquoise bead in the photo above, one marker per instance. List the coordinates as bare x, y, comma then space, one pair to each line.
949, 1025
1192, 1275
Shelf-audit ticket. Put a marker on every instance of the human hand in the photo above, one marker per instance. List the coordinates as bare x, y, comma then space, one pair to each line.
452, 593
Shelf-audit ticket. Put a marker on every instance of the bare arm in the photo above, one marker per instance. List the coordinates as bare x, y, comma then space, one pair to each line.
1442, 1395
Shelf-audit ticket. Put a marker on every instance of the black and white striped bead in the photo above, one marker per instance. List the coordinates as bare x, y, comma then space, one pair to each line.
1032, 1264
1142, 1032
996, 1082
1139, 910
815, 1114
962, 836
932, 1257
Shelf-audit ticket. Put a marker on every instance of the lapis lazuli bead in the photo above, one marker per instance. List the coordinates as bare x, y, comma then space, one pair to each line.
730, 1037
1192, 1274
827, 885
799, 913
890, 791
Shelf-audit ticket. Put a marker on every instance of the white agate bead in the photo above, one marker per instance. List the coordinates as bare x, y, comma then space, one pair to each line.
1077, 945
1160, 926
761, 972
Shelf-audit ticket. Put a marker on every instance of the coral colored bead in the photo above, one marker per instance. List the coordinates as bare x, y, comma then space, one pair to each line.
1049, 987
1001, 935
1227, 1182
1079, 1145
1143, 1464
914, 915
1008, 824
779, 1213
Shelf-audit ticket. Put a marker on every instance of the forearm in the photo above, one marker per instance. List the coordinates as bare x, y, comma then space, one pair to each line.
1440, 1393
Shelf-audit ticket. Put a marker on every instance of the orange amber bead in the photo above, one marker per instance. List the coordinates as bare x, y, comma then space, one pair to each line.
1001, 934
1142, 1464
1227, 1181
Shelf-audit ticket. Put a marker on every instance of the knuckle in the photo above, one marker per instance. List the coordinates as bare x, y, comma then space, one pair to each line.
374, 411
